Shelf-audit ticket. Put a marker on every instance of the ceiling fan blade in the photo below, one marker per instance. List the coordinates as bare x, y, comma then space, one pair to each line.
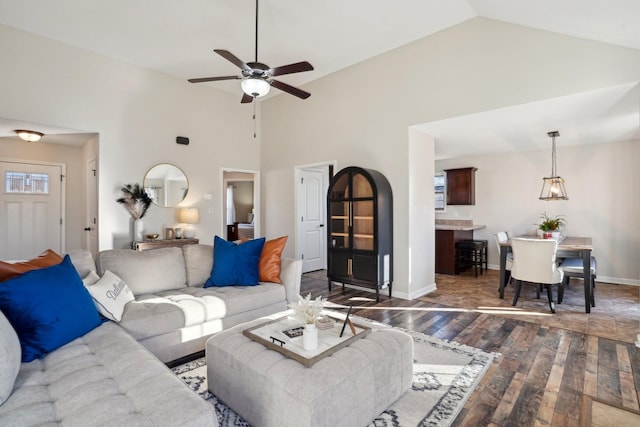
246, 99
290, 89
214, 79
298, 67
232, 58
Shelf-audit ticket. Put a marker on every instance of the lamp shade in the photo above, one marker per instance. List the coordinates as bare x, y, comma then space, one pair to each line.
189, 215
255, 86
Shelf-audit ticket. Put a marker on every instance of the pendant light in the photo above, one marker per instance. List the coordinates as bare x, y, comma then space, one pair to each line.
553, 186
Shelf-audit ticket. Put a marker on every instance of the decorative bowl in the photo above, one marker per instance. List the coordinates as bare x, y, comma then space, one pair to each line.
153, 236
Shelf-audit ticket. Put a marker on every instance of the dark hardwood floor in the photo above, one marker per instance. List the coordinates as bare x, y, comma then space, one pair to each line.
545, 374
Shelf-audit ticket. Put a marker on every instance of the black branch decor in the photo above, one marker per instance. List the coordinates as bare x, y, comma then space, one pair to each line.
135, 200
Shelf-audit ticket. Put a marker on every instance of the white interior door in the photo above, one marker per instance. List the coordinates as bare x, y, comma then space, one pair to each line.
91, 228
312, 239
31, 209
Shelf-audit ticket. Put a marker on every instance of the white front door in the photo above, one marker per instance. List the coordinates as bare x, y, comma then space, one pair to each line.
312, 237
31, 213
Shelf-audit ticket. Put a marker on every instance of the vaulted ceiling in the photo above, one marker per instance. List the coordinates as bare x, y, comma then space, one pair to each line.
178, 38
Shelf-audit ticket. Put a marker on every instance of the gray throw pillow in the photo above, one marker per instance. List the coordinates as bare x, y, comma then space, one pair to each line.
10, 355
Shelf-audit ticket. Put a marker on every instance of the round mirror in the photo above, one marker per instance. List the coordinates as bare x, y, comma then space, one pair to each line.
166, 184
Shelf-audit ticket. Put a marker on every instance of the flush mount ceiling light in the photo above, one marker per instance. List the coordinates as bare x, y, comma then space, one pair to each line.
29, 135
553, 186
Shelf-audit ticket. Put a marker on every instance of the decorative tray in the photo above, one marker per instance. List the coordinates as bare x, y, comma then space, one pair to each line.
283, 335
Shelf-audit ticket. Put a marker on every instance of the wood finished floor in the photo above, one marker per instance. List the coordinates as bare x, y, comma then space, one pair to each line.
548, 364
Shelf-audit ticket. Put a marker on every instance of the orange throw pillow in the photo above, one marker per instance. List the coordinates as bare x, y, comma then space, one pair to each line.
269, 265
45, 259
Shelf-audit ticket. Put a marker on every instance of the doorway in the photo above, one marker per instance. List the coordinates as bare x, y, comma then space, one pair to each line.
240, 204
312, 184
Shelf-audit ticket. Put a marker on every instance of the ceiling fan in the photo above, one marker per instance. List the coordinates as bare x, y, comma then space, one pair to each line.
257, 77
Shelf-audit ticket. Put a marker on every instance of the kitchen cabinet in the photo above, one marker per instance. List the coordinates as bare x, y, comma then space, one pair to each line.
360, 229
461, 186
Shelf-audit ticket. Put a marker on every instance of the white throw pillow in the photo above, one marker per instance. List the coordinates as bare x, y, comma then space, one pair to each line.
110, 295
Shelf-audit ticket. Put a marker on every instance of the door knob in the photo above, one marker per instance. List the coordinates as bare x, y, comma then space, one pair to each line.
87, 229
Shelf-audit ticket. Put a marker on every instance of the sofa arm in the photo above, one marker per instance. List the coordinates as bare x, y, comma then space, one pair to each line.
290, 276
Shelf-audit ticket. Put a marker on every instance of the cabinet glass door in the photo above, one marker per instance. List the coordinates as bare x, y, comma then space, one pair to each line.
363, 225
340, 189
361, 187
339, 225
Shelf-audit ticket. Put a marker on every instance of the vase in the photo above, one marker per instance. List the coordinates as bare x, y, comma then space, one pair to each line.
310, 337
138, 229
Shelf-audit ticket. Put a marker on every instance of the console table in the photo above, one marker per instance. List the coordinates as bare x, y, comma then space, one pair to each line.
155, 244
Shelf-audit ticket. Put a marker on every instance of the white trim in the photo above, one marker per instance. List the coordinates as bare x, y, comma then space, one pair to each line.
603, 279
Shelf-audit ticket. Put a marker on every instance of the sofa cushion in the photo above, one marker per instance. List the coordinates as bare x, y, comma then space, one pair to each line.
167, 311
110, 294
45, 259
198, 261
10, 357
48, 308
233, 264
147, 271
269, 265
83, 261
103, 378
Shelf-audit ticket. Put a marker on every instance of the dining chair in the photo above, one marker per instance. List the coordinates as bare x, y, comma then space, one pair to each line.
573, 267
534, 261
503, 237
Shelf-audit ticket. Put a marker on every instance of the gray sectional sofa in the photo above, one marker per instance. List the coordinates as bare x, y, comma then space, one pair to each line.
114, 374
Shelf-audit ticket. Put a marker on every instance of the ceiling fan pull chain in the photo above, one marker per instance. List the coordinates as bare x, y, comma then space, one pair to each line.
254, 121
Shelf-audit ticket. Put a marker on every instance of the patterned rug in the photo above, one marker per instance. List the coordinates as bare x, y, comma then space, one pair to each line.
444, 376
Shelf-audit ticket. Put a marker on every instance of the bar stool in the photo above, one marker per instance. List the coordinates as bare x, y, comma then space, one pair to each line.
471, 253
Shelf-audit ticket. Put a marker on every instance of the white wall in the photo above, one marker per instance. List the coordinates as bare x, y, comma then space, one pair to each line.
361, 115
137, 113
602, 185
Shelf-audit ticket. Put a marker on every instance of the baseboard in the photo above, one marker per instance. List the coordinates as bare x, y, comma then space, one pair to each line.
395, 294
603, 279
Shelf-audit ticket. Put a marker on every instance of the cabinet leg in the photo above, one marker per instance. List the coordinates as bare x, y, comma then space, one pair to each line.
329, 280
389, 289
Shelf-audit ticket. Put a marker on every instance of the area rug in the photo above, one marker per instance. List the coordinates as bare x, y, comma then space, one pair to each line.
444, 376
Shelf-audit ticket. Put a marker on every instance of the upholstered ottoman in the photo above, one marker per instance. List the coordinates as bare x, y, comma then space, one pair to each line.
349, 388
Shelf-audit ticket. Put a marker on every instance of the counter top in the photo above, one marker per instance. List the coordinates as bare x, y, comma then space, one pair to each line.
457, 225
460, 227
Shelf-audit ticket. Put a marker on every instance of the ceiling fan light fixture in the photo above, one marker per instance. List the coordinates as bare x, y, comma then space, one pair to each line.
29, 135
553, 186
255, 86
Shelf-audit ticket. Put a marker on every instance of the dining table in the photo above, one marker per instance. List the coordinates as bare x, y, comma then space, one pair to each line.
568, 247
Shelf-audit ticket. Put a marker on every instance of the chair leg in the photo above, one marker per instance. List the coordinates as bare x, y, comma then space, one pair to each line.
550, 296
538, 290
560, 293
517, 295
593, 291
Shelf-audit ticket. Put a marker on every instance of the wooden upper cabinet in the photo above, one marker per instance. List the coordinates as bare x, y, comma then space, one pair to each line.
461, 186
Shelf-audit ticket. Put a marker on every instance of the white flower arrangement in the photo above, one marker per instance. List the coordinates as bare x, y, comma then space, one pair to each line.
308, 310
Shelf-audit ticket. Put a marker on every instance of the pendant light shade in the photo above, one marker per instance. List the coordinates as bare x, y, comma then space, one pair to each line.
553, 186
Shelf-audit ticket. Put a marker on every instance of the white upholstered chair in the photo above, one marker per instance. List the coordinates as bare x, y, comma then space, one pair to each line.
534, 261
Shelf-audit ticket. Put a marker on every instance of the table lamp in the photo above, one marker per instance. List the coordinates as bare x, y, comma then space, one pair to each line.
189, 216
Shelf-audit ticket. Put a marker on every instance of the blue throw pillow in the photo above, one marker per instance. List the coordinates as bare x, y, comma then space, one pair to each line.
233, 264
48, 308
